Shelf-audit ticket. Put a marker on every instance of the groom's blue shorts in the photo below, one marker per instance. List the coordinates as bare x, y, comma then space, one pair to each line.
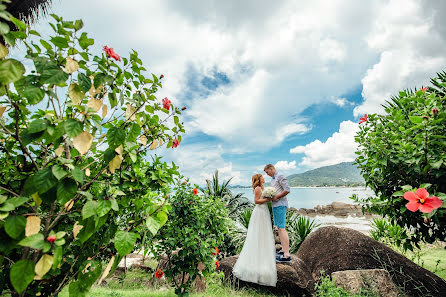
279, 215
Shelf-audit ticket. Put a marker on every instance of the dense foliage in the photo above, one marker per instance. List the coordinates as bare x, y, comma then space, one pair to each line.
190, 239
405, 149
76, 188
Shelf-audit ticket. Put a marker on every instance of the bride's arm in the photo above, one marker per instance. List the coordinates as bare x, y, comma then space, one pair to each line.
257, 194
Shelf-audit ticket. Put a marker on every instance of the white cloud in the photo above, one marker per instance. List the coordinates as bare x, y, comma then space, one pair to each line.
341, 102
340, 147
410, 38
285, 165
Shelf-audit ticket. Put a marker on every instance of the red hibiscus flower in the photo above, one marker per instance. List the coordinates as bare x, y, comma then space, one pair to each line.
424, 89
51, 238
175, 143
217, 264
363, 119
216, 251
166, 103
420, 200
195, 191
159, 273
111, 53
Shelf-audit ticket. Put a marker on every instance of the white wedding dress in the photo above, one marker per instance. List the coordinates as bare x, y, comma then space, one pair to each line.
257, 261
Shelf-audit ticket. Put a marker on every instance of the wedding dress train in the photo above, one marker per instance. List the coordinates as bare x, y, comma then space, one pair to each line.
257, 262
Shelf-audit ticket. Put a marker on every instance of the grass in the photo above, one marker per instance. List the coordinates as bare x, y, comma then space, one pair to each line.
432, 257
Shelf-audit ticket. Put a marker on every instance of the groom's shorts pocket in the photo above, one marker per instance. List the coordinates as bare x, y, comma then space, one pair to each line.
279, 215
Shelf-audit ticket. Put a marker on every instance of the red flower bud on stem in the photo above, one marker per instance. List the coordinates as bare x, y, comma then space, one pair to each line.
51, 238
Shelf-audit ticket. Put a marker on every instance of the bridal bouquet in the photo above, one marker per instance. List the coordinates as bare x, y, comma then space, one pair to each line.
269, 192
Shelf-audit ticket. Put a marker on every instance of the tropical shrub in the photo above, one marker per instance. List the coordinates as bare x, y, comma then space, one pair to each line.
75, 186
402, 150
191, 237
298, 228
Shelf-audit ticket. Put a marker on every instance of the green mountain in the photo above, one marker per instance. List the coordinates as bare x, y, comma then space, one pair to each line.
342, 174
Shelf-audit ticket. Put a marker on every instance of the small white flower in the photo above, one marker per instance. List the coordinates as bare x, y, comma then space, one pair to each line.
269, 192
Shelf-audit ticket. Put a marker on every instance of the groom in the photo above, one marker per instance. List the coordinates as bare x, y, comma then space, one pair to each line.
280, 205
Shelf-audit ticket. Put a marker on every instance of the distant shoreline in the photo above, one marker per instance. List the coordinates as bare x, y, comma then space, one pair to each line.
311, 187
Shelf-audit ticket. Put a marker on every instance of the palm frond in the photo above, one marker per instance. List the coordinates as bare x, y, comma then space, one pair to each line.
28, 10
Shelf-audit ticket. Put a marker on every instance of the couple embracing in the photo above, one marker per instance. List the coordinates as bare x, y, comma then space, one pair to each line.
257, 261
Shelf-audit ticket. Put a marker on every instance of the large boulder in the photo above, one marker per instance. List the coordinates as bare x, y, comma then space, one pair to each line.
292, 279
331, 249
377, 281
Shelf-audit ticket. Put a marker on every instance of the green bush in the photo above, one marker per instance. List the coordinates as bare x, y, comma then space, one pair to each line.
76, 188
404, 148
197, 224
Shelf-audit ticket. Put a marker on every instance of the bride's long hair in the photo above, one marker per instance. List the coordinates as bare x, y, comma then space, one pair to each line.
257, 181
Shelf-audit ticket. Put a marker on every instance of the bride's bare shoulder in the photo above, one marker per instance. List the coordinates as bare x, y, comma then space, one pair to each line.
258, 189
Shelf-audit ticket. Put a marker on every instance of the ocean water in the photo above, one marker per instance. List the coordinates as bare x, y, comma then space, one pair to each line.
306, 197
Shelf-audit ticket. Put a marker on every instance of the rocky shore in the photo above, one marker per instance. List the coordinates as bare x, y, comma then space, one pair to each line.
337, 209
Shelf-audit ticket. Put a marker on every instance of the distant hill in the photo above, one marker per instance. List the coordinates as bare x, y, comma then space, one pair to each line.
342, 174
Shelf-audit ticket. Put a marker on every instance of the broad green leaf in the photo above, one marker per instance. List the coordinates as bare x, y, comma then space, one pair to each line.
43, 180
84, 82
125, 242
437, 164
114, 204
84, 41
17, 201
66, 189
33, 94
73, 127
54, 76
115, 137
21, 274
58, 253
38, 125
36, 241
416, 119
19, 24
112, 99
10, 71
153, 224
59, 172
60, 42
78, 174
3, 198
104, 207
15, 226
78, 24
89, 209
135, 130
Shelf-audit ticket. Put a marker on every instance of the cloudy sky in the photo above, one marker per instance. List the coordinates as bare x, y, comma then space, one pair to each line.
281, 82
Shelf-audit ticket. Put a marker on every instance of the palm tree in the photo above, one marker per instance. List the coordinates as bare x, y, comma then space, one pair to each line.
28, 10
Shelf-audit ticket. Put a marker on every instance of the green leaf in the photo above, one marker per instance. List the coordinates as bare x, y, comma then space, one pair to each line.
153, 224
437, 164
19, 24
60, 42
43, 180
54, 76
134, 132
3, 199
21, 274
78, 174
16, 202
10, 71
58, 253
73, 128
3, 51
115, 137
114, 204
104, 207
112, 99
4, 30
7, 206
66, 189
78, 24
59, 172
84, 41
416, 119
33, 94
46, 45
89, 209
84, 82
125, 242
36, 241
15, 226
37, 125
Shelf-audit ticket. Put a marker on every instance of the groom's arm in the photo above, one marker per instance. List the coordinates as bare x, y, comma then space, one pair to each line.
282, 180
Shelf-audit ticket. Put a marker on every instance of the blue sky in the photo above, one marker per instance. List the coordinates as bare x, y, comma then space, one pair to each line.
265, 82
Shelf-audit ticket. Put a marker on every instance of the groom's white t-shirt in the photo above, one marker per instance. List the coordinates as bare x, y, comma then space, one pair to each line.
280, 183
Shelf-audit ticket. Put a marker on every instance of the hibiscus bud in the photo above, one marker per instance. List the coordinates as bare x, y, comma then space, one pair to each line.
162, 75
434, 111
427, 220
51, 238
184, 108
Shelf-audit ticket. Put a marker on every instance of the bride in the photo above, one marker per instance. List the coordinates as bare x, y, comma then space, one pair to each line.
256, 262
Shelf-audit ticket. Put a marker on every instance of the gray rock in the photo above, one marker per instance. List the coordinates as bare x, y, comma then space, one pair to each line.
377, 281
333, 249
